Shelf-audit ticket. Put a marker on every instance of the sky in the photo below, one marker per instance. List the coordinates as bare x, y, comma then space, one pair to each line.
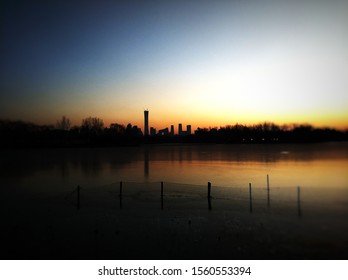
204, 63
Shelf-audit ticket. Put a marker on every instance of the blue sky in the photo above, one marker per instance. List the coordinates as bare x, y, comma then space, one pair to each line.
205, 63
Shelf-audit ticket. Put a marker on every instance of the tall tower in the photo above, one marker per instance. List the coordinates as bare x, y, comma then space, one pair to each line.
180, 129
188, 129
146, 122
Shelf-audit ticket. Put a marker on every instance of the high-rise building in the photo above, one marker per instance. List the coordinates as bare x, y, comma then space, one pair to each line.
180, 129
172, 130
188, 129
146, 122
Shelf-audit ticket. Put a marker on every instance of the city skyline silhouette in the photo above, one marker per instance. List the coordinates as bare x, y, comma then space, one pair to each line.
206, 64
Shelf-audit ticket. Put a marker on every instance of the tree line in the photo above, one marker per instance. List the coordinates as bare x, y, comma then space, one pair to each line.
92, 132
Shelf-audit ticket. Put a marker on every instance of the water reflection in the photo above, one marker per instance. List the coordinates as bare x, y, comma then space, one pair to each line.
315, 164
146, 162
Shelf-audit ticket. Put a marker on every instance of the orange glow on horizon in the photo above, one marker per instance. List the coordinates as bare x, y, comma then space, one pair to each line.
204, 117
210, 123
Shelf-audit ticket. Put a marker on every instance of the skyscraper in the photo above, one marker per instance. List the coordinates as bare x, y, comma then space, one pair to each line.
146, 122
188, 129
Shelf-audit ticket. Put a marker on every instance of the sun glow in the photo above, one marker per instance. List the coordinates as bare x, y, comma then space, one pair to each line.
219, 64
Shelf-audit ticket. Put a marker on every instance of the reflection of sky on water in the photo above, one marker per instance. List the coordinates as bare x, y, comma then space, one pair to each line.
316, 165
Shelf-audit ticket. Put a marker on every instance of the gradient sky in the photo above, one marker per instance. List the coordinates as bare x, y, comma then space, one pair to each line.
204, 63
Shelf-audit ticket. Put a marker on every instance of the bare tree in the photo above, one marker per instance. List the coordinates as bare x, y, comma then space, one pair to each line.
92, 123
63, 124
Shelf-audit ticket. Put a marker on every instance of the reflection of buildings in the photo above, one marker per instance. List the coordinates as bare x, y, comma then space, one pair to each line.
146, 122
146, 162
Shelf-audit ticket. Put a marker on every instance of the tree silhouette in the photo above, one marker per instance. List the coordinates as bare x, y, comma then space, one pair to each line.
63, 124
92, 124
117, 128
92, 133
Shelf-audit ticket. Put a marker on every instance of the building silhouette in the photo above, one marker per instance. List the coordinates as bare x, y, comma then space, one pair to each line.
164, 131
152, 131
146, 122
182, 132
188, 129
180, 129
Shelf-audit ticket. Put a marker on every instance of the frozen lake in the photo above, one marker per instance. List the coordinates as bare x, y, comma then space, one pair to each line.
43, 220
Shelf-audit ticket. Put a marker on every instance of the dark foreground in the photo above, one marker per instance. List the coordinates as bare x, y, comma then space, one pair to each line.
183, 224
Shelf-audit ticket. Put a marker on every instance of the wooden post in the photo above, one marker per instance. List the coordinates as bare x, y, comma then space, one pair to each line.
161, 195
209, 189
120, 195
250, 199
268, 192
299, 202
209, 196
209, 203
120, 189
78, 197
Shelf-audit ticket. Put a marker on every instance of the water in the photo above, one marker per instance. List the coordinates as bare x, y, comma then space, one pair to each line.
42, 220
316, 165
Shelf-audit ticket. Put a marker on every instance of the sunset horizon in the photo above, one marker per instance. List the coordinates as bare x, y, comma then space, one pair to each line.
155, 122
203, 63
